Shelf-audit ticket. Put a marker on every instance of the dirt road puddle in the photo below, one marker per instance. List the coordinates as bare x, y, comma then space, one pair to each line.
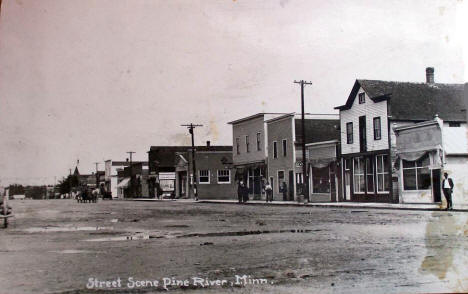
72, 251
245, 233
64, 229
121, 238
169, 235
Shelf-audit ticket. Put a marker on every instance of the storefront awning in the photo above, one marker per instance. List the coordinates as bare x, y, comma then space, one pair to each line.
123, 183
415, 154
323, 162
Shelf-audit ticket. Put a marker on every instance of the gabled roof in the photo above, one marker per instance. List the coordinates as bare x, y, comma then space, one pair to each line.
414, 101
318, 130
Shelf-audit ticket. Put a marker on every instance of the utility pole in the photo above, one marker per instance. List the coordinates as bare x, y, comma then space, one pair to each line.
305, 176
97, 177
131, 173
190, 127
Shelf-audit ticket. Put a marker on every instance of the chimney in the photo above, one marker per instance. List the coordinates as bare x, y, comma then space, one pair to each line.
430, 75
208, 143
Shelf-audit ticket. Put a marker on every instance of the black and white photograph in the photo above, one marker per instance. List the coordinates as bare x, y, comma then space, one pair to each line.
233, 146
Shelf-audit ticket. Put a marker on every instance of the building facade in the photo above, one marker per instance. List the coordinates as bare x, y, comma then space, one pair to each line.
115, 184
285, 160
250, 151
375, 164
214, 178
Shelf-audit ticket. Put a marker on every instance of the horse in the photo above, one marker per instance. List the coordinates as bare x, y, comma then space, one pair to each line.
94, 195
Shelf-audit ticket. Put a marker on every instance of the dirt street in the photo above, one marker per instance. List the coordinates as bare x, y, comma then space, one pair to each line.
60, 246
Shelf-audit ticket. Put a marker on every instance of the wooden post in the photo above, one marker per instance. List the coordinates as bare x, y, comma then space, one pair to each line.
5, 211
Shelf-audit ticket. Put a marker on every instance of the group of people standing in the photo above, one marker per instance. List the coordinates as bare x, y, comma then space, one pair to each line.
243, 191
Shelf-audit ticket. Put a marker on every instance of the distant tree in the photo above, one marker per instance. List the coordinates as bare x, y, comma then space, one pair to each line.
36, 192
16, 189
64, 186
74, 180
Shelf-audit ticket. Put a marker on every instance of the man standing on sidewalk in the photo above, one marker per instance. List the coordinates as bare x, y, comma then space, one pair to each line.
240, 192
447, 188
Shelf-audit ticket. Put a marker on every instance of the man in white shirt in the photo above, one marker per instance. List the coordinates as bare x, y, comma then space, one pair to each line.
447, 188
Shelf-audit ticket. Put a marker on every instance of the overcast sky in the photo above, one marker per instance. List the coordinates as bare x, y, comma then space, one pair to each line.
90, 79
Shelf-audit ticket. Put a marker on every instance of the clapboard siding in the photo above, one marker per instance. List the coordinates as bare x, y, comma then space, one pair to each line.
278, 130
321, 152
249, 128
455, 139
370, 109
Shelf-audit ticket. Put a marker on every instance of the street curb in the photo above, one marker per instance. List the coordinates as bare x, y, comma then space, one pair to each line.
291, 204
335, 206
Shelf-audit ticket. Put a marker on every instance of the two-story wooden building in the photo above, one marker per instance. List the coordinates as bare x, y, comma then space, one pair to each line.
250, 150
285, 158
375, 168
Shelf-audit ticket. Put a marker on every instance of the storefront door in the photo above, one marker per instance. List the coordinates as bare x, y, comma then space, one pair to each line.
347, 179
183, 184
291, 185
436, 185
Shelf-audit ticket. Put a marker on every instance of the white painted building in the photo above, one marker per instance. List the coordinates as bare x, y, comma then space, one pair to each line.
376, 166
436, 147
114, 184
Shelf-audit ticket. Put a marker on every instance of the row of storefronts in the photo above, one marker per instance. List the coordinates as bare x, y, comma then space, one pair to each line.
391, 142
172, 169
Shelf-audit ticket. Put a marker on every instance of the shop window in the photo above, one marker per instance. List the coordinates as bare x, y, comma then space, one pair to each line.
224, 176
383, 173
298, 178
370, 175
204, 176
359, 180
320, 180
280, 180
416, 174
299, 181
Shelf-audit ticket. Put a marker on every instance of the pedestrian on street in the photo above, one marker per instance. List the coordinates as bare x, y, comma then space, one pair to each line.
268, 192
240, 192
447, 188
159, 190
245, 195
284, 189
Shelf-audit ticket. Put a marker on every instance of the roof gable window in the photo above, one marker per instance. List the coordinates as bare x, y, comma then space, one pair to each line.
362, 98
